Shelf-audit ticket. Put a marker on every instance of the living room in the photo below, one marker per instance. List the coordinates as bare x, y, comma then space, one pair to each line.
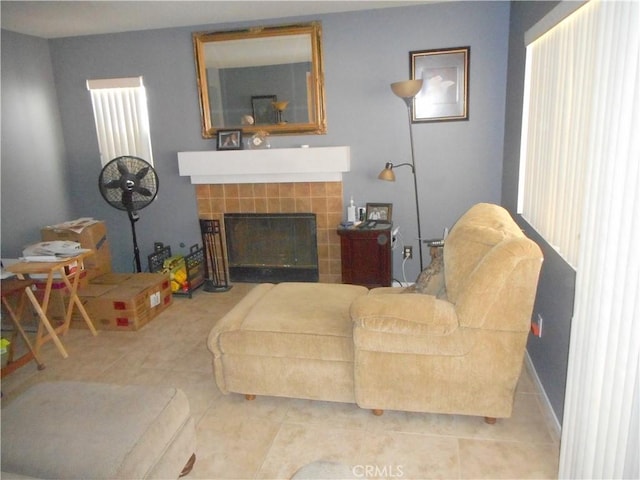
50, 158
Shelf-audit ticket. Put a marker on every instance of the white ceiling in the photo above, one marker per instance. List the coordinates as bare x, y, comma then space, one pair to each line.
56, 19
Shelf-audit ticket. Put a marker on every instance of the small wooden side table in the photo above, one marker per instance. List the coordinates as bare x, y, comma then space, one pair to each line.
15, 288
366, 255
71, 280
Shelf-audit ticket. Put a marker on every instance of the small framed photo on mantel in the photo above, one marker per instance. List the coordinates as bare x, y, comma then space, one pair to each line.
229, 139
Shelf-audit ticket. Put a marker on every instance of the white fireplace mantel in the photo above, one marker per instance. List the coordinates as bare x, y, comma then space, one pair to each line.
274, 165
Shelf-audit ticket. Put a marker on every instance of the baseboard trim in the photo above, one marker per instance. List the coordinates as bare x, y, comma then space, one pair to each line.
545, 403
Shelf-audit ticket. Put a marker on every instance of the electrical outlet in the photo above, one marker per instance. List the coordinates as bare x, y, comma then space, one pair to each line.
407, 252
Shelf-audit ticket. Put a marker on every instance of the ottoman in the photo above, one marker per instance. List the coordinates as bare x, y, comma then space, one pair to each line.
288, 340
92, 430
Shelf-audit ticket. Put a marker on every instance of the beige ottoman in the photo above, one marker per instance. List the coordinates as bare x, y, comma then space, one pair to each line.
288, 340
92, 430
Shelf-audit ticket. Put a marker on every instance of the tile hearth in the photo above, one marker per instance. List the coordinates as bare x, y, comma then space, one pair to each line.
324, 199
271, 438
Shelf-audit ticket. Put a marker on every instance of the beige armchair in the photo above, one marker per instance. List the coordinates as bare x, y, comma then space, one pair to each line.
460, 352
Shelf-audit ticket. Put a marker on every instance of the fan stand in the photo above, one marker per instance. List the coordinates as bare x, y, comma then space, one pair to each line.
133, 218
136, 182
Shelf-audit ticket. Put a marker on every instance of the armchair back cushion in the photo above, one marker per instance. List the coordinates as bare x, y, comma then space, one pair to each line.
491, 270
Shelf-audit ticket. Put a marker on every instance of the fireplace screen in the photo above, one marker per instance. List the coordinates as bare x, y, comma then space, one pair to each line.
275, 247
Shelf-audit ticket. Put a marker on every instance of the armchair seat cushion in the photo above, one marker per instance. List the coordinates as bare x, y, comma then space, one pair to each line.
297, 320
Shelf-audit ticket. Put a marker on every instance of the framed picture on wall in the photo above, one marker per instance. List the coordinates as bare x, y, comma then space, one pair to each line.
229, 139
263, 111
380, 212
445, 91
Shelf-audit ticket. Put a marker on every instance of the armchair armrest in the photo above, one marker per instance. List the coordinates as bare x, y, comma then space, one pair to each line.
411, 323
408, 314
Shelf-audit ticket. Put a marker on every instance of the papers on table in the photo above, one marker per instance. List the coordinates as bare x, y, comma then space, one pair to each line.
54, 251
4, 274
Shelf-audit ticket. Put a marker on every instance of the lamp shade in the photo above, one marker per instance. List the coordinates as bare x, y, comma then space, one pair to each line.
387, 174
407, 89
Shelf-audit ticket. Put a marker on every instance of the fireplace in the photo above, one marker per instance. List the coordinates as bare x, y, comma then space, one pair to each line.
271, 247
276, 180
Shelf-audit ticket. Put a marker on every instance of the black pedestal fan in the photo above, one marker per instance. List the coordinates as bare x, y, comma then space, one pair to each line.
129, 183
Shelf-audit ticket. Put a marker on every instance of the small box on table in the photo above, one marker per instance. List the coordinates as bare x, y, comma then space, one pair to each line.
89, 233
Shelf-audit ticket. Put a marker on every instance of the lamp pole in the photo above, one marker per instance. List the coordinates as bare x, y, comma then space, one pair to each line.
415, 180
407, 90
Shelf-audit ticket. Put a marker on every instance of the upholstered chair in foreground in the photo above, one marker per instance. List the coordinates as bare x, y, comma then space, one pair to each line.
453, 346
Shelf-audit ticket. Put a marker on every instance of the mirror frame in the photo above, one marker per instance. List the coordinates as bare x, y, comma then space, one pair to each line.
318, 123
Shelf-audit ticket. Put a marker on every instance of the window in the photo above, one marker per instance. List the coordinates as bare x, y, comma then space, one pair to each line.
557, 119
122, 119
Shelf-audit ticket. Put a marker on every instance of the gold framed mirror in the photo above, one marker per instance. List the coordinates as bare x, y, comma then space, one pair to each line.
261, 79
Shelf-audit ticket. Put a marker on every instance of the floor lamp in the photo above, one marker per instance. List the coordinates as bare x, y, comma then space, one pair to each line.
407, 90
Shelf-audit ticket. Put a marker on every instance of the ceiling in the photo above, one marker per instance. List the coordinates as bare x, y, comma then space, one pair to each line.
56, 19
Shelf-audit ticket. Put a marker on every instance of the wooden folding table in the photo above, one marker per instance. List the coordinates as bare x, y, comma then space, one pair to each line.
15, 288
68, 269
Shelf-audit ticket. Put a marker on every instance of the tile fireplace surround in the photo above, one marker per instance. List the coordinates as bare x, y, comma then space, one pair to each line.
300, 180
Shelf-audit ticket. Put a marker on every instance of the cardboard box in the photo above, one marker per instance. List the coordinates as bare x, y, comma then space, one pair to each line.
111, 278
157, 286
127, 305
119, 308
147, 279
88, 233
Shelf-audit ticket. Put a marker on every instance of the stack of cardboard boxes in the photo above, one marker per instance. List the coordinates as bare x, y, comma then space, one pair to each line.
114, 301
89, 233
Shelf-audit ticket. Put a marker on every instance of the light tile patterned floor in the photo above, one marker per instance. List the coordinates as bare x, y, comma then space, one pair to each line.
271, 438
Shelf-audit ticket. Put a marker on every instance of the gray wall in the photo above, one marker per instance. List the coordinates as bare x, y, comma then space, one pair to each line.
34, 184
556, 289
459, 163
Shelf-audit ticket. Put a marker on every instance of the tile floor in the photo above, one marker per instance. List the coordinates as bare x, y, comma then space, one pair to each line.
271, 438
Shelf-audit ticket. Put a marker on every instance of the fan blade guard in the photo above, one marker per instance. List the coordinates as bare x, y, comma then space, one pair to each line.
125, 190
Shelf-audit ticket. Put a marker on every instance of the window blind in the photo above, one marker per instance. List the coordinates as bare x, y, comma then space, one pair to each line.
559, 76
579, 188
121, 118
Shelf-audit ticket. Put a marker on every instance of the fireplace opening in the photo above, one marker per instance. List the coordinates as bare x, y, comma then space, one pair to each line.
273, 247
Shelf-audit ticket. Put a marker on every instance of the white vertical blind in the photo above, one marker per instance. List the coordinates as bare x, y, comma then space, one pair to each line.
600, 435
582, 154
121, 117
559, 75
